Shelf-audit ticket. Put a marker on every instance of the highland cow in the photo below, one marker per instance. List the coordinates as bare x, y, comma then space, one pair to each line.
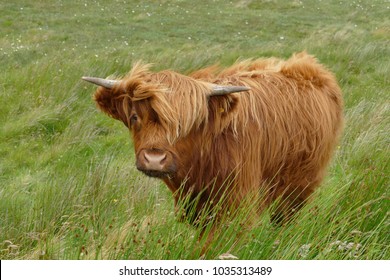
261, 129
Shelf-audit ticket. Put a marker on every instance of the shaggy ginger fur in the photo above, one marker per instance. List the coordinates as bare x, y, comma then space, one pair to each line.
275, 139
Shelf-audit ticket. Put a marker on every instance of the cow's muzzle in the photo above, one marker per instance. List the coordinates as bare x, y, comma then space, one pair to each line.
155, 163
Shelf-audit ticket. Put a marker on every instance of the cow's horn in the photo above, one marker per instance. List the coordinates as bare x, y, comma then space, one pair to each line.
223, 90
109, 84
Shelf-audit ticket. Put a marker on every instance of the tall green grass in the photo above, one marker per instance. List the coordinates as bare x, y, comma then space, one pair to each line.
68, 185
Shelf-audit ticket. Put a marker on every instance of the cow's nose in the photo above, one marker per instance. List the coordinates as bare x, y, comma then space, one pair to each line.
154, 160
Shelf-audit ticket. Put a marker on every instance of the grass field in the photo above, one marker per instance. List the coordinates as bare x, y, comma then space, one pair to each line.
69, 188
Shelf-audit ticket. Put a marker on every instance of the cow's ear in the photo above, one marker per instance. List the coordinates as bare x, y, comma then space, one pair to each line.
106, 101
113, 103
222, 109
223, 101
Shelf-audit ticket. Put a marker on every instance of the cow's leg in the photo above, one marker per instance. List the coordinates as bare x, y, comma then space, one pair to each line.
285, 210
291, 201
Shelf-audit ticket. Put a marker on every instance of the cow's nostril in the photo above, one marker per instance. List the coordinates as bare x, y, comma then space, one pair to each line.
146, 157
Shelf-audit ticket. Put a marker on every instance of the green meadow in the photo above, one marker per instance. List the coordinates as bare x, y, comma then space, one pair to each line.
69, 188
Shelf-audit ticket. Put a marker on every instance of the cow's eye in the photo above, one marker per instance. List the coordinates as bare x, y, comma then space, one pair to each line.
133, 119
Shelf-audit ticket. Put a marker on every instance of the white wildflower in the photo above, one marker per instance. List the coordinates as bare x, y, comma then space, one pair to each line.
353, 249
227, 256
356, 232
304, 250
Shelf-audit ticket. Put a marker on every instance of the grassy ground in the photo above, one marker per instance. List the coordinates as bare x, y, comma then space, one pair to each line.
68, 185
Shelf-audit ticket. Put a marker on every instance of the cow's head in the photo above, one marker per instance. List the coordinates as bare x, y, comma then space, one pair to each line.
169, 115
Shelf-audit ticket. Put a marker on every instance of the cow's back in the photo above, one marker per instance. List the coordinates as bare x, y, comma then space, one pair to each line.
287, 125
